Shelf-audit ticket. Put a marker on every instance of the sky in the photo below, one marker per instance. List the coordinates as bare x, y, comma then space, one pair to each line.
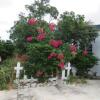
9, 10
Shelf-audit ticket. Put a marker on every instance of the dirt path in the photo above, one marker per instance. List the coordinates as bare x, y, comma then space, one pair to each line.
89, 91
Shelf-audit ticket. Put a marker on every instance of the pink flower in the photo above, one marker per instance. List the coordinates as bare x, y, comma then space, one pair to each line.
85, 52
49, 57
41, 37
53, 54
29, 38
32, 21
73, 48
60, 56
52, 26
55, 43
40, 30
61, 65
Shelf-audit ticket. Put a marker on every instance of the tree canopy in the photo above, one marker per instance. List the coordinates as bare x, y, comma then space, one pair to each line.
74, 28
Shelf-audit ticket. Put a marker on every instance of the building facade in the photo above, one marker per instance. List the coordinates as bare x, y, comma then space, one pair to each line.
96, 51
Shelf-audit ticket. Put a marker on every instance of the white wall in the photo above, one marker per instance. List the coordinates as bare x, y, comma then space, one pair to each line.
96, 51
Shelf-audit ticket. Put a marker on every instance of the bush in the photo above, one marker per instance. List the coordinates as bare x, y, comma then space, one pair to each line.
7, 73
6, 49
84, 63
3, 82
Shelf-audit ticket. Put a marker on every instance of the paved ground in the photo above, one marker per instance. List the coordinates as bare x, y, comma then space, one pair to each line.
89, 91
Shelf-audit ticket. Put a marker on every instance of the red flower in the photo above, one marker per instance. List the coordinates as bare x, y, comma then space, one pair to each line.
40, 30
60, 56
41, 37
73, 48
32, 21
55, 43
29, 38
52, 26
53, 54
85, 52
61, 65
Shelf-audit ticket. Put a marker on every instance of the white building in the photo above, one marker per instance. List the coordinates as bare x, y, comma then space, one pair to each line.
96, 51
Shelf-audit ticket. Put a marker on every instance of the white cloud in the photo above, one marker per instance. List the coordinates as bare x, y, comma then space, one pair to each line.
5, 3
89, 8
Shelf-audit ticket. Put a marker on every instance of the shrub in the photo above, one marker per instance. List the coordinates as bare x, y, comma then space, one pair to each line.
3, 82
6, 49
84, 63
7, 73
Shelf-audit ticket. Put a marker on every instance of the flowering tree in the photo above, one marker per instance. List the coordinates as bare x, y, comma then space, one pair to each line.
45, 54
35, 38
43, 43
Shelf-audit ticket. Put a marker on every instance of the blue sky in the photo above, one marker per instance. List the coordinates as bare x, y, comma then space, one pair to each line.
10, 9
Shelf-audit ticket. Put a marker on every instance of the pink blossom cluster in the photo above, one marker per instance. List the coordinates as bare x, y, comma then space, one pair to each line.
41, 37
55, 43
73, 48
61, 65
52, 26
60, 56
85, 52
53, 54
32, 21
29, 38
